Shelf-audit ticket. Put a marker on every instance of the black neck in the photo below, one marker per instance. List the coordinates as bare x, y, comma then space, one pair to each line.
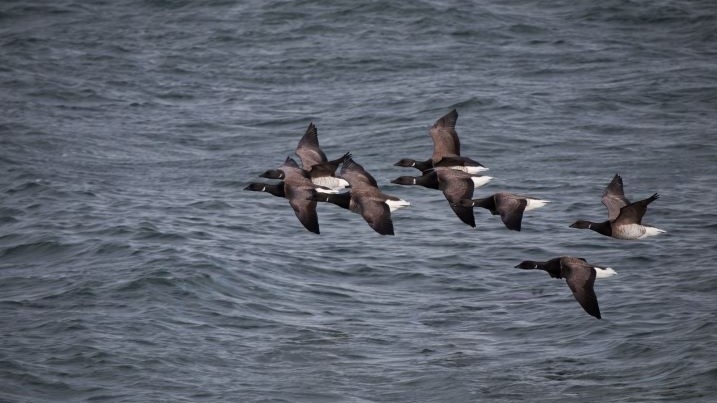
339, 199
485, 202
276, 189
424, 165
601, 227
552, 266
429, 180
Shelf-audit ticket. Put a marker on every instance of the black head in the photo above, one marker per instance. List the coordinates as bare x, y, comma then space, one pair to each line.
273, 174
256, 186
582, 224
404, 180
527, 265
405, 162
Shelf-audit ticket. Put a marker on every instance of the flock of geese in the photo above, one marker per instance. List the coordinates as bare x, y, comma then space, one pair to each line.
457, 177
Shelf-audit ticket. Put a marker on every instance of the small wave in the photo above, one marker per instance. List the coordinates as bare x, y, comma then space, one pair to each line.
211, 205
34, 249
148, 232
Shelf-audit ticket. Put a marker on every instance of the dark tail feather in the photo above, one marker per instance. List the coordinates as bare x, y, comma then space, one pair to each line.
341, 159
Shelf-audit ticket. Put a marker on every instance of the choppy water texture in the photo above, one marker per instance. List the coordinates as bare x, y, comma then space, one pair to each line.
133, 267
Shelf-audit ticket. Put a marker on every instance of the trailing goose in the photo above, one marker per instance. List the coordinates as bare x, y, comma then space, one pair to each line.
508, 205
578, 274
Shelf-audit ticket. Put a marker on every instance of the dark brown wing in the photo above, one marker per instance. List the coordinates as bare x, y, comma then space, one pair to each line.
464, 213
457, 185
304, 209
445, 138
308, 148
355, 175
614, 197
511, 209
580, 277
633, 213
377, 214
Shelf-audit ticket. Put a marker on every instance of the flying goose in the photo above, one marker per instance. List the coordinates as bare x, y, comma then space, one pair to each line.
578, 274
508, 205
624, 218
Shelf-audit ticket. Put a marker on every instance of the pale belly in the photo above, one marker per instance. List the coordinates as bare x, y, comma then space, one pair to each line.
635, 231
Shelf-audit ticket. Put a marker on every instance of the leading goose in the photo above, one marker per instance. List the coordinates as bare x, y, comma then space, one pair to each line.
624, 218
298, 189
578, 274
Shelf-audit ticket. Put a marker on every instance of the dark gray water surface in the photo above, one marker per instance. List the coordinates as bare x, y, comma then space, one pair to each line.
133, 267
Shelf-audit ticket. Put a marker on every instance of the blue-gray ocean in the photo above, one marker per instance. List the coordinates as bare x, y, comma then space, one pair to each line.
135, 268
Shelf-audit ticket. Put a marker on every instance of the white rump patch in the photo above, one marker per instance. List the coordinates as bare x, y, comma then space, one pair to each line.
468, 169
330, 182
479, 181
326, 190
394, 205
535, 203
652, 231
602, 272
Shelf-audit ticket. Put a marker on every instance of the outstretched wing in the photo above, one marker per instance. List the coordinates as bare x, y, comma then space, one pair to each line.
445, 138
308, 148
614, 197
377, 214
511, 210
356, 175
457, 185
304, 208
581, 278
633, 213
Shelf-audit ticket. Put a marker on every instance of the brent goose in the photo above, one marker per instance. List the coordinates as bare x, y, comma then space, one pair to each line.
508, 205
624, 218
459, 185
446, 149
298, 189
314, 161
445, 142
449, 161
580, 276
367, 200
